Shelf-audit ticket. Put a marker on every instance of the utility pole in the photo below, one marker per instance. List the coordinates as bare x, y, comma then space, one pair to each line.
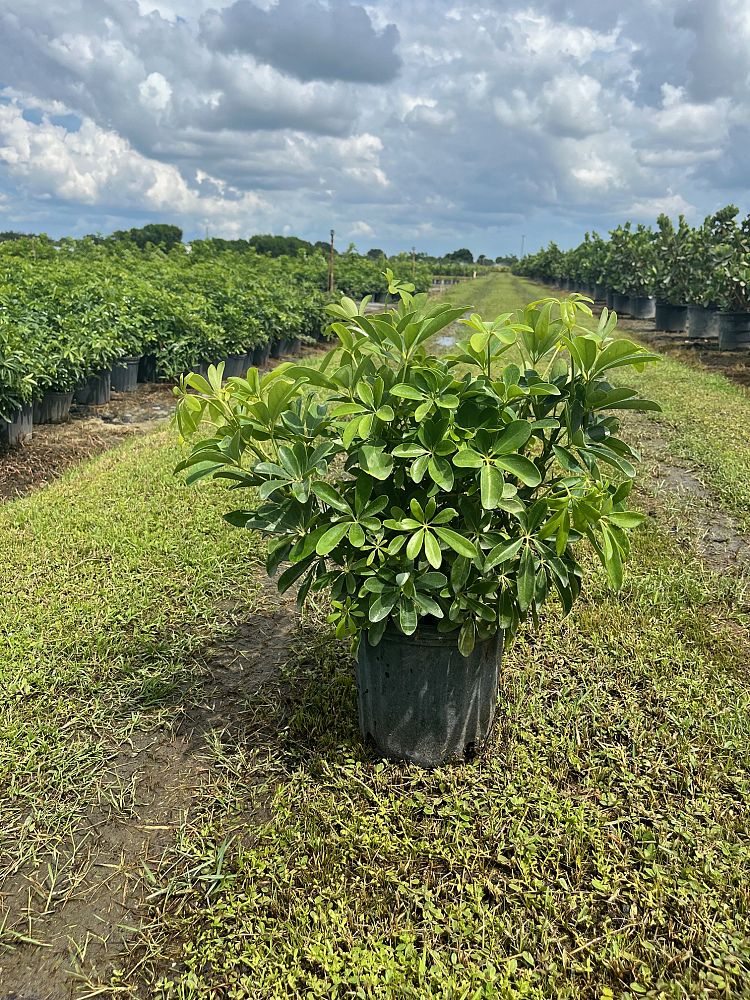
413, 263
523, 243
330, 264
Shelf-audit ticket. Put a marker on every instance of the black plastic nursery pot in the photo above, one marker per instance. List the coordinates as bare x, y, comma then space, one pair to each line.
53, 408
125, 374
609, 299
734, 331
260, 354
642, 306
17, 430
293, 345
421, 701
621, 303
672, 319
600, 293
95, 391
702, 322
147, 368
234, 366
276, 348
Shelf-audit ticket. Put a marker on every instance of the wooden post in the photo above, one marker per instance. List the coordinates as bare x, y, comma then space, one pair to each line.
330, 265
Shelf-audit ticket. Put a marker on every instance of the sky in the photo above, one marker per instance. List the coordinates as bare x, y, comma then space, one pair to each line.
398, 123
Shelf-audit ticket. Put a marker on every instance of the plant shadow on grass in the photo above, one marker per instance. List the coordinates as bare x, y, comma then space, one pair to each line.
279, 683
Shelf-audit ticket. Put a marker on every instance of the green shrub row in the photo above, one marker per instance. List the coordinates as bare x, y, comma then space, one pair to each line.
708, 265
71, 309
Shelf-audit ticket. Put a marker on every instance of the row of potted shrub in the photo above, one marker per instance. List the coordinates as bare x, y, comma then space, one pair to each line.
685, 278
71, 313
54, 406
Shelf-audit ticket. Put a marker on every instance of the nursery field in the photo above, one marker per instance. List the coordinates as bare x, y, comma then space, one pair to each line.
188, 812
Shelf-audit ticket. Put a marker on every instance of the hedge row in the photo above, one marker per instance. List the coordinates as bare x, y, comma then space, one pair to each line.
708, 265
71, 309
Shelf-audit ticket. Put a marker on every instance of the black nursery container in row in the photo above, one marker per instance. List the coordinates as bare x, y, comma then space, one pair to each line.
730, 329
18, 429
54, 407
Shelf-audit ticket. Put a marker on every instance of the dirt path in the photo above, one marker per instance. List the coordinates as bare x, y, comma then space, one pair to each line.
90, 431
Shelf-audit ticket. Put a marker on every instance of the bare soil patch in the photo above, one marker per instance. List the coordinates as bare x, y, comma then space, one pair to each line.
675, 490
91, 430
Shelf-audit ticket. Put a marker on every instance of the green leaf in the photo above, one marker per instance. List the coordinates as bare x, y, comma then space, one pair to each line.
466, 458
514, 437
346, 409
441, 473
405, 391
407, 617
502, 553
293, 573
523, 468
526, 579
239, 518
382, 606
414, 545
375, 462
612, 558
331, 538
432, 550
356, 535
350, 431
408, 450
422, 410
419, 467
622, 353
626, 519
491, 484
467, 638
457, 542
328, 494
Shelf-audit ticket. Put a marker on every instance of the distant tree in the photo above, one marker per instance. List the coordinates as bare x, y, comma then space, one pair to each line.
375, 254
217, 243
462, 256
280, 246
324, 246
508, 260
11, 235
159, 234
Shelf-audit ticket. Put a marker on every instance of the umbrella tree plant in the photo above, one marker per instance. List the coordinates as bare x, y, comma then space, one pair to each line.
420, 489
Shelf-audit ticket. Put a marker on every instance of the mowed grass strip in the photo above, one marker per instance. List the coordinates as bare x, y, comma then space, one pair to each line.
600, 848
115, 579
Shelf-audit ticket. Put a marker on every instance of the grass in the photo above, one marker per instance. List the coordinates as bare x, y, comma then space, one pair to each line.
600, 848
112, 578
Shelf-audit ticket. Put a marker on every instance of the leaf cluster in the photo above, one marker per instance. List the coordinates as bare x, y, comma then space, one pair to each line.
450, 491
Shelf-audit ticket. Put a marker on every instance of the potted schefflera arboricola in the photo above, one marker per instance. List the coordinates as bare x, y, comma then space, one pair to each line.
438, 500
